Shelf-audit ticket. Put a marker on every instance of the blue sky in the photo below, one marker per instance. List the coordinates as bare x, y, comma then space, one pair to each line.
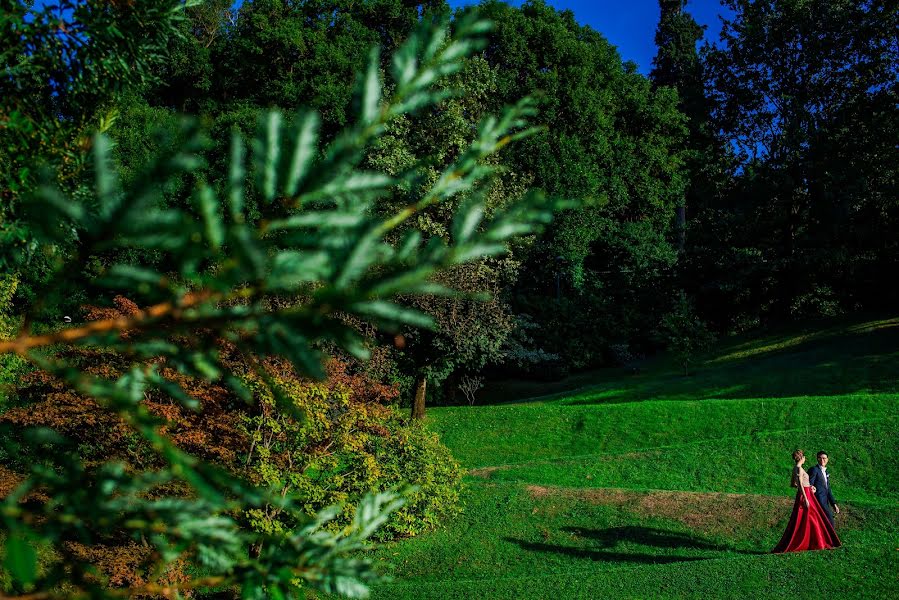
628, 24
631, 24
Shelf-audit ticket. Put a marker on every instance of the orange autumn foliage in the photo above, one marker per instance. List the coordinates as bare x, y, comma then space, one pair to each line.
128, 565
351, 441
347, 414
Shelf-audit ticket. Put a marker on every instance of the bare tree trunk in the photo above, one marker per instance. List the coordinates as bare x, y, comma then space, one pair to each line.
681, 218
451, 386
418, 406
788, 284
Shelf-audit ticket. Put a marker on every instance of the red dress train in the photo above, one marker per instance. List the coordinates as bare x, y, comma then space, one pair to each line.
809, 528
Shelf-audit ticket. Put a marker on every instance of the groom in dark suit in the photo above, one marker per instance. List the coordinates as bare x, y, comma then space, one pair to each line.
818, 477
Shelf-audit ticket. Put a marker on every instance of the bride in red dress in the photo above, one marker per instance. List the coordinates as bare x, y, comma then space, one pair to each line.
809, 528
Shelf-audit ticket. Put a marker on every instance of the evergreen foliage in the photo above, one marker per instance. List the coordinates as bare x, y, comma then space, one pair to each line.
62, 65
213, 278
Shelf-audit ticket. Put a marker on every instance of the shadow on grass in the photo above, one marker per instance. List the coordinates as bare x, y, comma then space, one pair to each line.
650, 536
606, 542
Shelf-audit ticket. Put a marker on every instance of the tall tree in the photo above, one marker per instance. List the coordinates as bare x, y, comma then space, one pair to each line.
806, 92
469, 334
189, 72
612, 143
677, 65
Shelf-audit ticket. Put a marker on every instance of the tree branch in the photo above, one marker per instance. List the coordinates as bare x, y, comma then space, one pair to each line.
23, 344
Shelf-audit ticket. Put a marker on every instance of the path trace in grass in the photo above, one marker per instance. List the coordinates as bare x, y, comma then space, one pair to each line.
657, 485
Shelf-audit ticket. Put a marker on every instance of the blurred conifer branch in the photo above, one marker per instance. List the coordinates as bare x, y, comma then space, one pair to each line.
321, 242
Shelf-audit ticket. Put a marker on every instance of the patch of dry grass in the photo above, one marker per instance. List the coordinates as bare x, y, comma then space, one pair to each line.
487, 472
705, 513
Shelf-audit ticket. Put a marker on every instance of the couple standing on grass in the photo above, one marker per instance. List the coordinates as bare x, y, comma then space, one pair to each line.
811, 524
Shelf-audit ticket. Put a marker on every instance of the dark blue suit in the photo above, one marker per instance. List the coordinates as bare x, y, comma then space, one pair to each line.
822, 490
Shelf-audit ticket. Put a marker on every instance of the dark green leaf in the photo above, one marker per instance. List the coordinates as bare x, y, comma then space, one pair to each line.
371, 91
393, 313
236, 179
212, 218
21, 559
290, 269
466, 221
266, 154
304, 150
314, 219
107, 184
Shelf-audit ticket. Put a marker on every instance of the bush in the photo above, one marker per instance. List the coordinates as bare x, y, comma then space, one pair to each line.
347, 443
685, 335
12, 366
820, 301
415, 454
623, 355
524, 358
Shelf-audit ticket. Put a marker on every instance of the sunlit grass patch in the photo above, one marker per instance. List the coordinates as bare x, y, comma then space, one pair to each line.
511, 434
529, 542
655, 485
769, 344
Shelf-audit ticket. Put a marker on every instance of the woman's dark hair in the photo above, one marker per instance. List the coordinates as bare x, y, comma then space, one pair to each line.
798, 455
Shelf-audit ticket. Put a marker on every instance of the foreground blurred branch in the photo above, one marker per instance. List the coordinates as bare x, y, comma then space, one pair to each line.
149, 316
271, 282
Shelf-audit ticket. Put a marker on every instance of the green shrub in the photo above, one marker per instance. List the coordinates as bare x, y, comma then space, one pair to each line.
11, 365
345, 440
415, 454
347, 443
685, 335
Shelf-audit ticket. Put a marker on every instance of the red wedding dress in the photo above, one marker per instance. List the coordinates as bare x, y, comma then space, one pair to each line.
809, 528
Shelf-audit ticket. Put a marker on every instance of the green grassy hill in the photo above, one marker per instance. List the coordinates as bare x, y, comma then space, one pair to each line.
658, 485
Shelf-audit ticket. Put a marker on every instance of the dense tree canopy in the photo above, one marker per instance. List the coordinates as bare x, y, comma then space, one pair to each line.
612, 143
806, 93
63, 68
609, 141
236, 239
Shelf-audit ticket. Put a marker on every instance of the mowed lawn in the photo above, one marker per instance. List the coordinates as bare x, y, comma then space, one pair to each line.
653, 484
